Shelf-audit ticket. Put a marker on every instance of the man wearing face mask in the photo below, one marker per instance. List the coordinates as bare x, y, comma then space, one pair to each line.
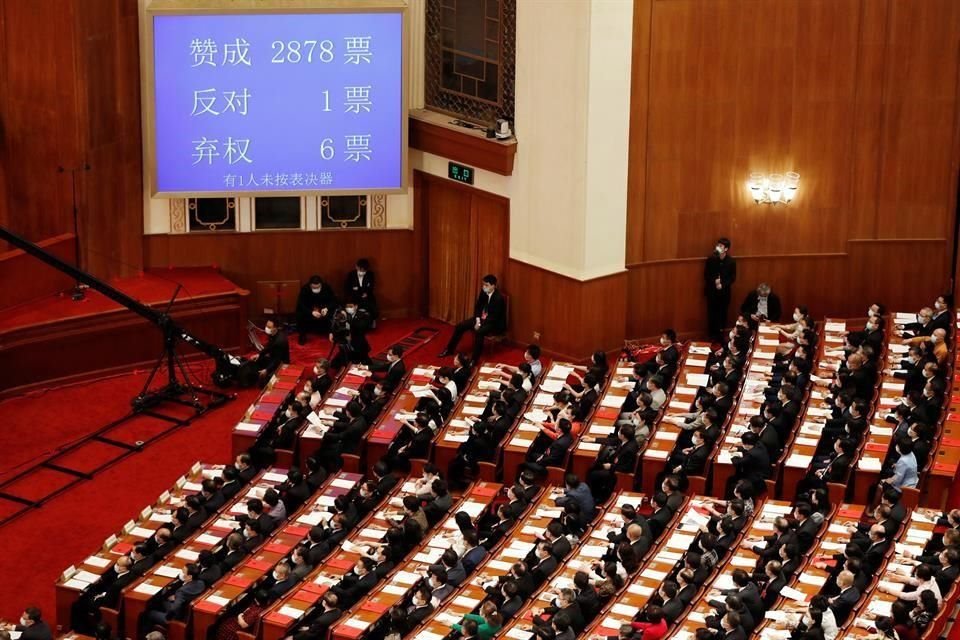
349, 334
31, 626
761, 304
274, 353
719, 274
360, 283
315, 306
489, 318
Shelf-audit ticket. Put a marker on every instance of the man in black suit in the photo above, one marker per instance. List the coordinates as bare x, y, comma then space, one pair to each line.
759, 305
235, 552
212, 496
672, 607
719, 274
420, 607
390, 373
843, 603
84, 613
329, 611
360, 284
315, 305
806, 527
32, 626
512, 601
348, 331
489, 318
274, 353
752, 463
177, 605
356, 583
282, 580
776, 581
565, 602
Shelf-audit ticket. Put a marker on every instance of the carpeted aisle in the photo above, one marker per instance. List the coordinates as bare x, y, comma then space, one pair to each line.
38, 546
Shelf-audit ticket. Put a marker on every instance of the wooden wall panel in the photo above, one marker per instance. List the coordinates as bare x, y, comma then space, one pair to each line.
24, 278
573, 318
246, 258
69, 94
38, 92
859, 96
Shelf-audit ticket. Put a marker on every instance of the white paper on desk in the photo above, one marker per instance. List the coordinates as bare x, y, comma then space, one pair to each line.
473, 509
889, 402
665, 434
698, 379
73, 583
453, 437
881, 431
290, 612
209, 538
724, 456
147, 588
314, 517
543, 400
429, 635
499, 565
97, 561
623, 610
762, 526
898, 348
654, 575
343, 483
612, 401
314, 419
723, 582
423, 393
602, 430
476, 398
764, 355
559, 371
622, 384
160, 516
551, 385
536, 415
220, 601
679, 541
880, 607
512, 552
807, 442
835, 327
141, 532
590, 446
593, 551
464, 601
799, 461
168, 571
247, 427
868, 463
819, 412
696, 616
372, 533
656, 454
918, 536
405, 577
395, 590
695, 518
769, 342
470, 410
680, 405
521, 442
193, 486
640, 590
488, 385
334, 402
743, 561
186, 554
811, 579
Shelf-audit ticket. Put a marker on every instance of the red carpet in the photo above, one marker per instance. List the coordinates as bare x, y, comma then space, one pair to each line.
39, 545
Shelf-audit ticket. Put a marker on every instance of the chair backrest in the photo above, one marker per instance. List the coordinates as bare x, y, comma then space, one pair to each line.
351, 462
555, 475
697, 485
837, 492
488, 471
416, 467
910, 497
176, 630
112, 618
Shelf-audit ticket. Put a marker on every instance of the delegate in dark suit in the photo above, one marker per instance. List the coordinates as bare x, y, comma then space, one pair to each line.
360, 285
719, 274
489, 318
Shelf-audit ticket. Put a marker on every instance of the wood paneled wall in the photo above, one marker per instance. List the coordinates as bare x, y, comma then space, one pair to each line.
859, 96
572, 318
24, 278
248, 258
69, 94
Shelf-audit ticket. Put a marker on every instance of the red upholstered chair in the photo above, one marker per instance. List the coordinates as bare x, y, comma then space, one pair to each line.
910, 498
112, 618
351, 463
176, 630
488, 471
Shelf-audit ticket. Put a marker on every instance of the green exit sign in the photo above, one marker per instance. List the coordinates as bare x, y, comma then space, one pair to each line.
460, 173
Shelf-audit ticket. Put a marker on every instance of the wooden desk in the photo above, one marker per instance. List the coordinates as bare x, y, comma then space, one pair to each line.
517, 442
138, 595
591, 548
401, 406
807, 438
739, 558
311, 438
496, 564
286, 381
396, 587
809, 581
664, 433
210, 607
603, 422
661, 561
457, 430
917, 532
71, 584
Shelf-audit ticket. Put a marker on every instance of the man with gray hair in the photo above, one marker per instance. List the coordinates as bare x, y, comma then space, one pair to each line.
759, 305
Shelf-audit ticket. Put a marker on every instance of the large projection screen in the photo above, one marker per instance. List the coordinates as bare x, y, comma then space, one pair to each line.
290, 97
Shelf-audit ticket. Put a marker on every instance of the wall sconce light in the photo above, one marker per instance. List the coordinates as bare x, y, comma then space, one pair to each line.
775, 188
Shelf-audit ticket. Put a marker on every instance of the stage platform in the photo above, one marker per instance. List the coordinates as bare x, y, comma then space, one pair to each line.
55, 340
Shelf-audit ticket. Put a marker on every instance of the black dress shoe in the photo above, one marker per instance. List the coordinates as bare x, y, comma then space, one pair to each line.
443, 354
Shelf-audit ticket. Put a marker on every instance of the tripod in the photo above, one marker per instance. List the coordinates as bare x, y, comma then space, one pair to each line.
179, 388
